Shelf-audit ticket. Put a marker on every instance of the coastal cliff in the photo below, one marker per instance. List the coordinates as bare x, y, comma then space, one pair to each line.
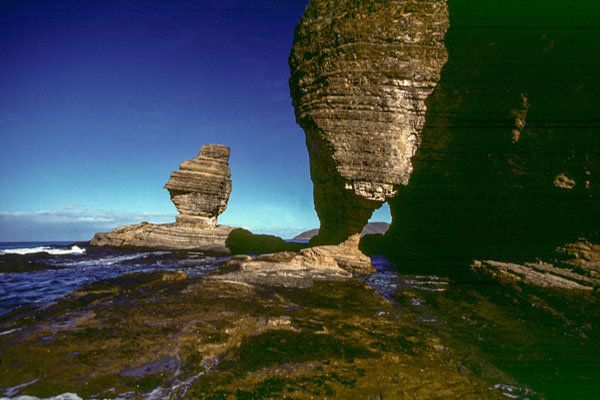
200, 190
510, 156
360, 75
492, 154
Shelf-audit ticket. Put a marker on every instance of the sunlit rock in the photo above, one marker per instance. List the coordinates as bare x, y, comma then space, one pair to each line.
200, 190
360, 75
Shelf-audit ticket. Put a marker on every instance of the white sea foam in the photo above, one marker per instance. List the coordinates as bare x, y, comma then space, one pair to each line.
44, 249
104, 261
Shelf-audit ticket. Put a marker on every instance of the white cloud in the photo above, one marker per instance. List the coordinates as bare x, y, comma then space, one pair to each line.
70, 222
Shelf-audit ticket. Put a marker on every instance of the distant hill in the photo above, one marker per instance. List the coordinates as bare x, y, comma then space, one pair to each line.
370, 228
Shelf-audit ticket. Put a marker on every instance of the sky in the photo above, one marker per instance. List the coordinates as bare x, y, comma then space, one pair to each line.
101, 100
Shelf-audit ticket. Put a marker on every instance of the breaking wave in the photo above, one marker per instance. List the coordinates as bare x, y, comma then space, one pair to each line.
44, 249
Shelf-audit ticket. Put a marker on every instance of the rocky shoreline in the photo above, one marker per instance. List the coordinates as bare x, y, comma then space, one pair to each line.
483, 300
298, 325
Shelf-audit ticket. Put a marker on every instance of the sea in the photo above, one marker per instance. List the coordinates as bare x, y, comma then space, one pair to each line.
39, 273
486, 325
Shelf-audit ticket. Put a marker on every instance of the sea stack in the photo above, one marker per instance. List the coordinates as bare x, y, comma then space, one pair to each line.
360, 75
200, 190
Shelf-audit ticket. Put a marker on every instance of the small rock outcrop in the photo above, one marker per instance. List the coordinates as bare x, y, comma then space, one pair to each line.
200, 190
302, 269
360, 74
242, 241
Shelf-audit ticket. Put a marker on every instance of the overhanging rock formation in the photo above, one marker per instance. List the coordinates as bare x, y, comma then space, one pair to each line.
360, 75
200, 190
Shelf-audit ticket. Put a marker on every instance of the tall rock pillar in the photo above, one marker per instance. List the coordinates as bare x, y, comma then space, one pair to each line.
360, 74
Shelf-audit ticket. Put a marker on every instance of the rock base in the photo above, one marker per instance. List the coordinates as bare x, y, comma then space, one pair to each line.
174, 236
578, 268
302, 269
160, 335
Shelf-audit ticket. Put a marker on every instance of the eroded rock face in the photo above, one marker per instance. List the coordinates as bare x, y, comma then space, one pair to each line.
200, 188
360, 74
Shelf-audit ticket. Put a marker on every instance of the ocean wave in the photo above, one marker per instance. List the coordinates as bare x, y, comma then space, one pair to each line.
103, 261
44, 249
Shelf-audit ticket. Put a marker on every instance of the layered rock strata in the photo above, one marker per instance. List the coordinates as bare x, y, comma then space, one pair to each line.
200, 190
179, 236
360, 74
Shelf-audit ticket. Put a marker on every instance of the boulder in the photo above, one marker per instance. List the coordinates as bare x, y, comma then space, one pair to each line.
242, 241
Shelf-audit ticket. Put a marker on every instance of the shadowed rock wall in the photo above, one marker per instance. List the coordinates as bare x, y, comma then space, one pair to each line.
360, 74
510, 155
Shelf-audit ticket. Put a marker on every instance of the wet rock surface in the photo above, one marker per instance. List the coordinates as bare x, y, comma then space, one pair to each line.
207, 338
360, 74
300, 269
200, 190
575, 266
236, 334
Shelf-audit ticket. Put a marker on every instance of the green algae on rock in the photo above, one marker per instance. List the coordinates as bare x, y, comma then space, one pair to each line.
155, 331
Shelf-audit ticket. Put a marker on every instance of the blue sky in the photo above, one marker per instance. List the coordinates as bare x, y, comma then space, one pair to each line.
100, 101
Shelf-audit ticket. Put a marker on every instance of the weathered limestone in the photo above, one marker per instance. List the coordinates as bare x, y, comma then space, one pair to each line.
182, 236
200, 190
360, 74
537, 274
